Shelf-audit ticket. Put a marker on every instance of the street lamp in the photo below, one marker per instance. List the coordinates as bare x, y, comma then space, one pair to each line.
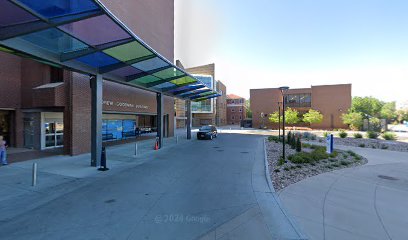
283, 92
279, 103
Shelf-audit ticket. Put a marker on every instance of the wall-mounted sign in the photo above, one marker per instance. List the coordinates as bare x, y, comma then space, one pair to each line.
124, 104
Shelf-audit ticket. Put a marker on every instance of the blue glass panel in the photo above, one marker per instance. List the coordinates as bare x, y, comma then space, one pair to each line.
114, 129
129, 128
54, 40
164, 85
97, 59
59, 8
150, 64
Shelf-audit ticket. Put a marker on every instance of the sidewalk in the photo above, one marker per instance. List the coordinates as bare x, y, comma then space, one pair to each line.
58, 175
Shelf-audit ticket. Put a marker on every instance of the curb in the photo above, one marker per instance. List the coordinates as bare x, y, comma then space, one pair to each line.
277, 199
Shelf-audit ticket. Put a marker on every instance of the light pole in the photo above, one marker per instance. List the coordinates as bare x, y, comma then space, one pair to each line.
279, 115
283, 92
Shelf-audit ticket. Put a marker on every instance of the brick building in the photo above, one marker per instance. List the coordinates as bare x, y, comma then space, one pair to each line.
211, 111
236, 109
331, 100
44, 107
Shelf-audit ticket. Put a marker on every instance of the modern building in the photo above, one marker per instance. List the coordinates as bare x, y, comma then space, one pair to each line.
236, 109
331, 100
211, 111
49, 99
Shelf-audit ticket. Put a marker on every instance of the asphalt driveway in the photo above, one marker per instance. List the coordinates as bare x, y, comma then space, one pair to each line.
195, 190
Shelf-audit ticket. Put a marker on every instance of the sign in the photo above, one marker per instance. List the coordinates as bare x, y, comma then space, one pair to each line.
124, 104
329, 144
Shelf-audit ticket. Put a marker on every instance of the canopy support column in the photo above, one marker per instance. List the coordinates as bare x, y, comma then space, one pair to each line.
188, 121
96, 120
159, 100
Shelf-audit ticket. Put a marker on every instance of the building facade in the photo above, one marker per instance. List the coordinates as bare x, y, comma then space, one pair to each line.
210, 111
330, 100
236, 109
45, 107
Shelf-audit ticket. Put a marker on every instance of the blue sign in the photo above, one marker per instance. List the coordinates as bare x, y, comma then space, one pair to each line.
329, 143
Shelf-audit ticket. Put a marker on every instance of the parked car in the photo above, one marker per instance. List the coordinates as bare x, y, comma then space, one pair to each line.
207, 132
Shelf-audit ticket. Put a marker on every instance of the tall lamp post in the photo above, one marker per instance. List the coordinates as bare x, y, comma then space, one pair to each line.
279, 115
283, 92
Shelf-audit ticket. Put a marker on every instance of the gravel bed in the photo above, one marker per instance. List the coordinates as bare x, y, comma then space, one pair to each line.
289, 173
370, 143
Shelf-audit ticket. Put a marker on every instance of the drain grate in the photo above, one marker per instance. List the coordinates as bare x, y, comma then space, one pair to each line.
110, 201
387, 177
244, 152
216, 147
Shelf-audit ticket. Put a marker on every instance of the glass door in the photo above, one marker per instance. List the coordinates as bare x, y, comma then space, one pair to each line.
54, 134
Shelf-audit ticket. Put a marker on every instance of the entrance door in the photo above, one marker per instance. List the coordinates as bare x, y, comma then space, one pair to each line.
28, 133
5, 117
53, 130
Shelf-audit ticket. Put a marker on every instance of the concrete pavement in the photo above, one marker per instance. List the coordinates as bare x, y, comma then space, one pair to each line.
191, 190
366, 202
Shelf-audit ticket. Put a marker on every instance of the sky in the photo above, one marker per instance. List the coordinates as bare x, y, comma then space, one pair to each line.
298, 43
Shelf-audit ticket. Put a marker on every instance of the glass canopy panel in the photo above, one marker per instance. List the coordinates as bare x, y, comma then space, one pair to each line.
150, 64
128, 51
164, 85
96, 30
168, 73
146, 79
53, 40
11, 14
60, 8
126, 71
183, 80
6, 50
97, 59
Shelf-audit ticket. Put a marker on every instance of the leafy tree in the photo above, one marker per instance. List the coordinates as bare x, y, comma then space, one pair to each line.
291, 116
248, 108
274, 117
353, 119
313, 116
374, 124
367, 105
402, 115
388, 111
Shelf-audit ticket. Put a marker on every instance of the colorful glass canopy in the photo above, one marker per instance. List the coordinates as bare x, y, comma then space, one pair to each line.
84, 36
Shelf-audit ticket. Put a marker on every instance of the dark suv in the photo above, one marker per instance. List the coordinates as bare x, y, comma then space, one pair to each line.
207, 132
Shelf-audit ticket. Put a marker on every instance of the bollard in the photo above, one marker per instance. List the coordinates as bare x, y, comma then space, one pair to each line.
34, 175
135, 149
176, 138
103, 160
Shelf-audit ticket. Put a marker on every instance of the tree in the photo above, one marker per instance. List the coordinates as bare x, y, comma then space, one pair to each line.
353, 119
248, 108
367, 105
402, 115
313, 116
274, 117
388, 111
291, 116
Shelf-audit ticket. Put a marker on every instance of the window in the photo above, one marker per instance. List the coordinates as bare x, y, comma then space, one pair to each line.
233, 110
240, 117
240, 110
298, 100
233, 117
56, 74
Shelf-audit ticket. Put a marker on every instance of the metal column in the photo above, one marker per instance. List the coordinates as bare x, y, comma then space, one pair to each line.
96, 120
159, 100
188, 121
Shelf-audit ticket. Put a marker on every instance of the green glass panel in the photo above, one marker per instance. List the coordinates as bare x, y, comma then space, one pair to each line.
146, 79
168, 73
6, 50
206, 94
183, 80
128, 51
199, 99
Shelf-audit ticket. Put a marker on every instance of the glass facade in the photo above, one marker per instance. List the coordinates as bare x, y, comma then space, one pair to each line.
121, 127
205, 106
299, 100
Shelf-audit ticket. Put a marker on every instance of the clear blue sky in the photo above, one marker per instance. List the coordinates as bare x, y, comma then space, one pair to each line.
267, 43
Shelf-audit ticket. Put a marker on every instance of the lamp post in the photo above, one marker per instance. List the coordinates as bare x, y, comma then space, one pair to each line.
279, 115
283, 92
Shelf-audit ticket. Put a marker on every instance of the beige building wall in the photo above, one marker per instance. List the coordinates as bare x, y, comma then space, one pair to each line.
330, 100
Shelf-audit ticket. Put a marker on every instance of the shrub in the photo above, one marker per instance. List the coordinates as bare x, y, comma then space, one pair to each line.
299, 166
289, 137
293, 142
334, 154
273, 138
335, 165
306, 145
357, 158
344, 163
281, 161
358, 135
384, 146
319, 154
353, 119
342, 134
372, 134
298, 145
276, 170
325, 134
361, 145
353, 154
286, 169
389, 136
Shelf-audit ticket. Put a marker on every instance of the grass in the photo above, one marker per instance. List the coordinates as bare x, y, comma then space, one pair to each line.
389, 136
358, 135
318, 153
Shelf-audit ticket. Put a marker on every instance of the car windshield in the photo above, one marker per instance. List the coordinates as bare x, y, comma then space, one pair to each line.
205, 128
